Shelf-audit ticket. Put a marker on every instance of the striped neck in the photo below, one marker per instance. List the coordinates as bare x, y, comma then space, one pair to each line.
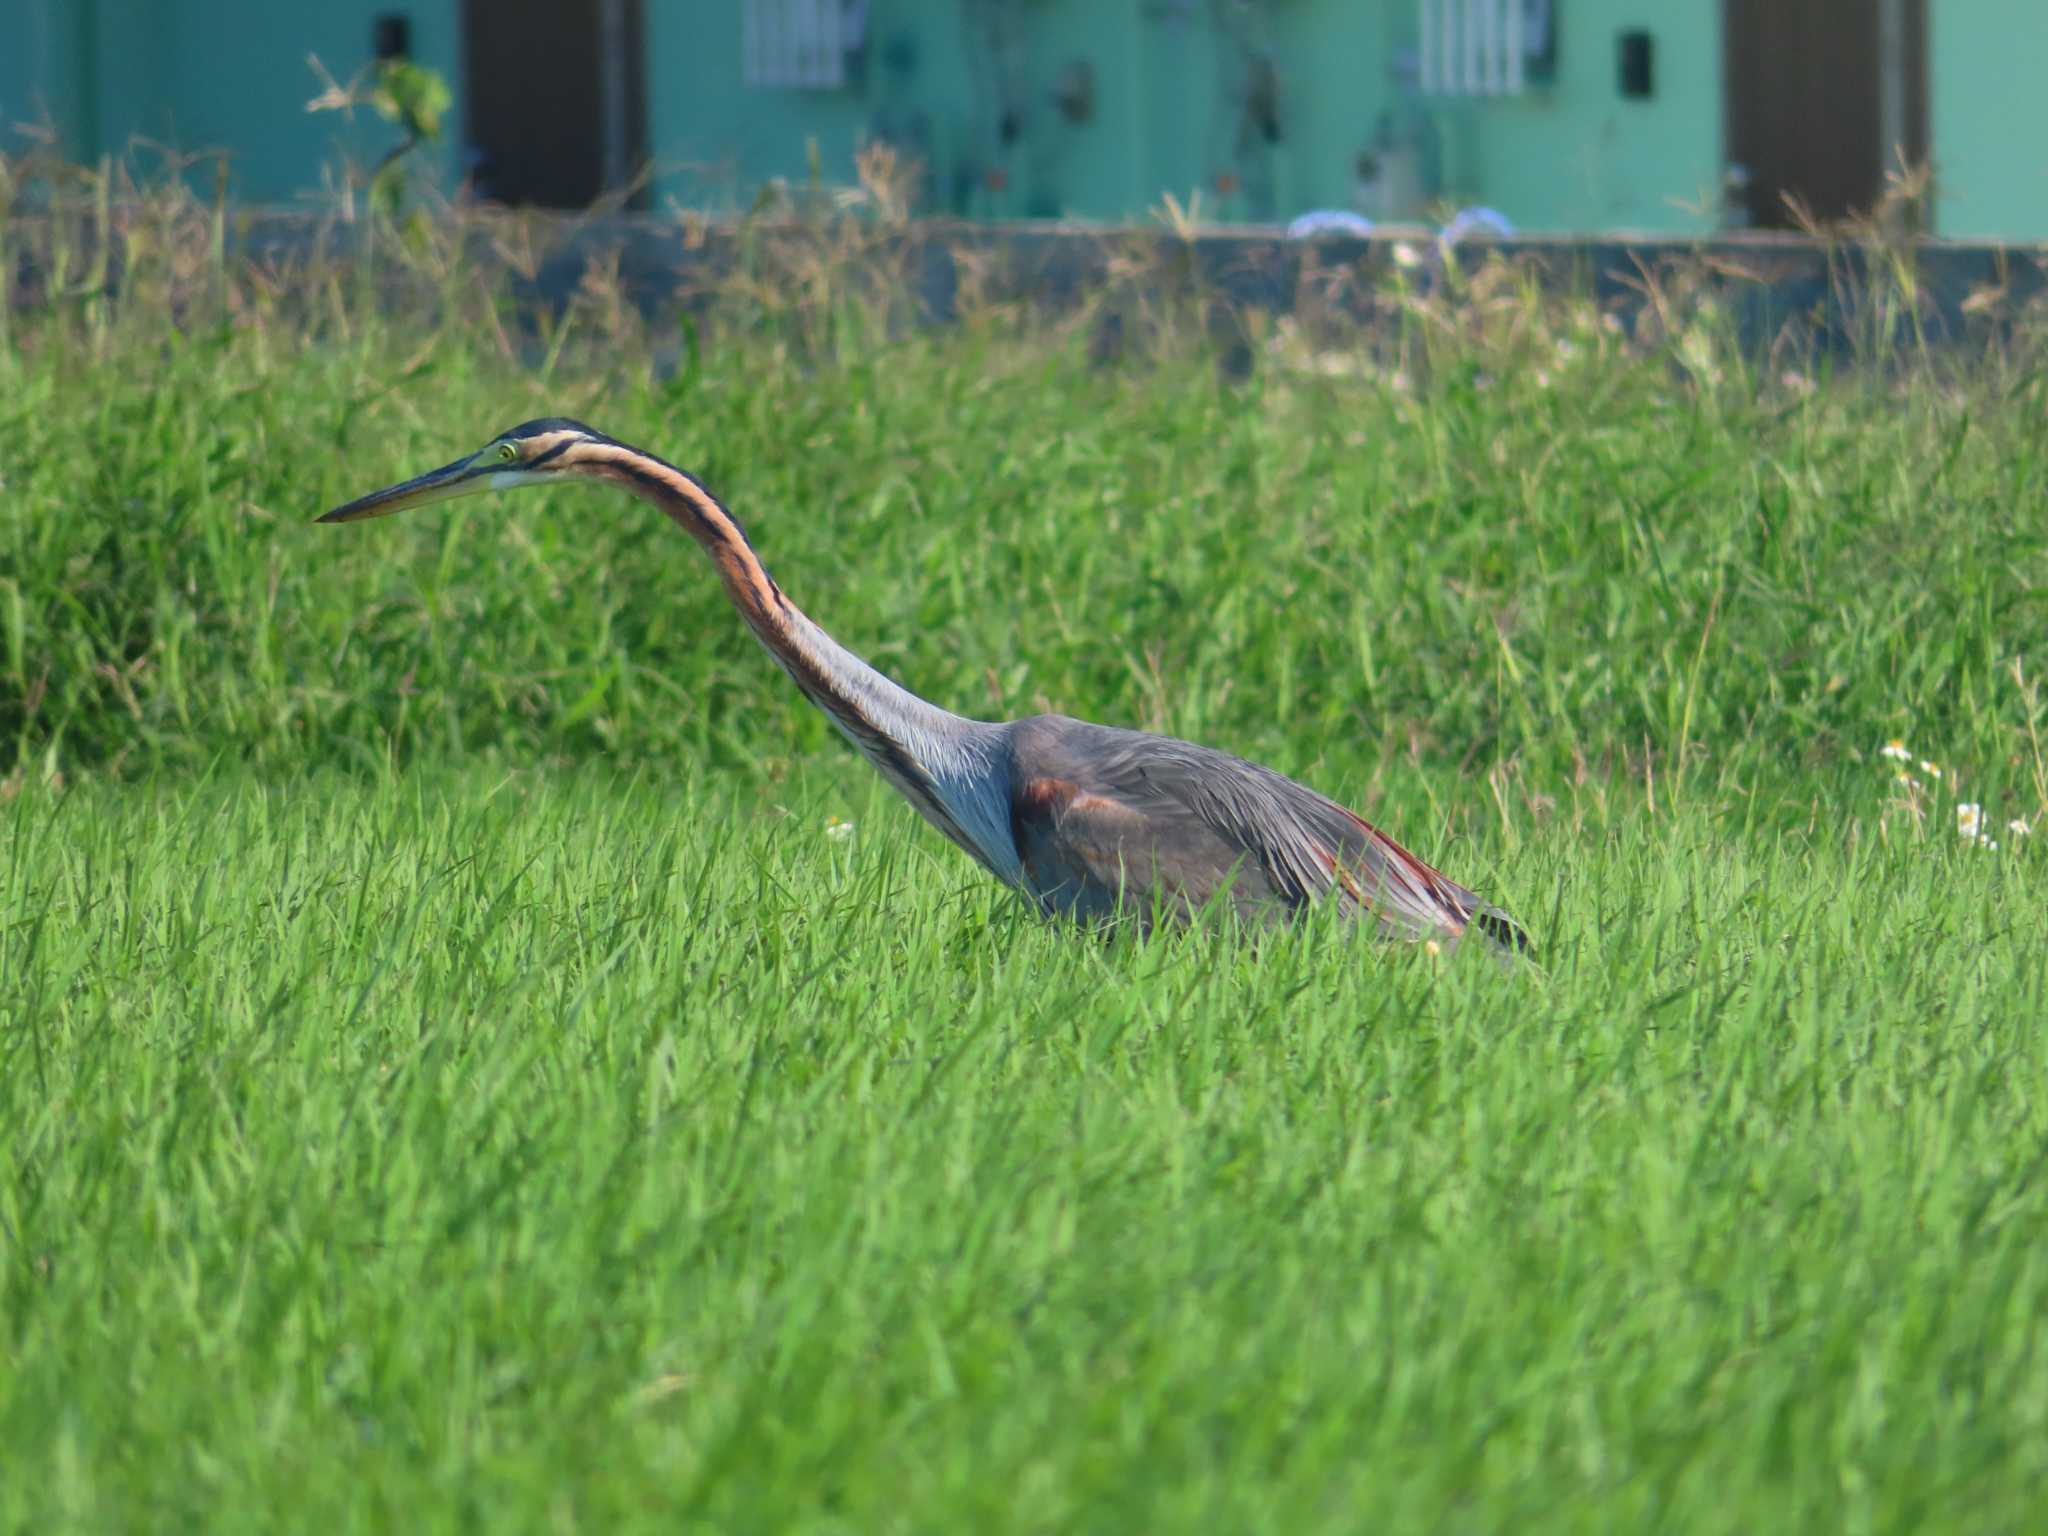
953, 770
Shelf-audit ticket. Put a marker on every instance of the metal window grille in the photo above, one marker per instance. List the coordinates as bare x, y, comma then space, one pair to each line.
1477, 47
798, 44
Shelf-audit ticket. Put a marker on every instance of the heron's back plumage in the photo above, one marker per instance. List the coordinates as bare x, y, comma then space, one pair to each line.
1109, 821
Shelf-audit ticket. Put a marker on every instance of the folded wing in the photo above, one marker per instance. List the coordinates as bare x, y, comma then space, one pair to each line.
1111, 822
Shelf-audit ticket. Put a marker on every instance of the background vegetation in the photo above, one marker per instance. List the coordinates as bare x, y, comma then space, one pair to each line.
456, 1065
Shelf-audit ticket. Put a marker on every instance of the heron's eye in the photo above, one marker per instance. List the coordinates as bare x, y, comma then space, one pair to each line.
507, 454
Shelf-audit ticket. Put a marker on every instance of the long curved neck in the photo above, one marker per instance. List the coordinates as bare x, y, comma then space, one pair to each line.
952, 769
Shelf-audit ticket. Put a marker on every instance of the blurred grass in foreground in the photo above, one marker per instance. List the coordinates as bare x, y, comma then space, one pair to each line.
536, 1150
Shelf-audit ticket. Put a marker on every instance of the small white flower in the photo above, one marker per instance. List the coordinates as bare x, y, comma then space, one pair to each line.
1929, 769
1986, 842
2018, 828
839, 831
1896, 751
1969, 818
1908, 780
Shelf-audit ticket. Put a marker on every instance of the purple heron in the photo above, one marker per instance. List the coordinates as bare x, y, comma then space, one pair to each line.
1088, 821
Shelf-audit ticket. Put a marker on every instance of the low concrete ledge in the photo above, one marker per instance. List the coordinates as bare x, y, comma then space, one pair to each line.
1771, 285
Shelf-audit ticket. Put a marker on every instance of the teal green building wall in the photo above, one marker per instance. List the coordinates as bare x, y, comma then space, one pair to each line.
716, 141
116, 76
1161, 122
242, 80
1574, 154
1988, 118
41, 84
1567, 155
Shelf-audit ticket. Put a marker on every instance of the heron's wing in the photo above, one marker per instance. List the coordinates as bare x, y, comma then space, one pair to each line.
1094, 850
1106, 818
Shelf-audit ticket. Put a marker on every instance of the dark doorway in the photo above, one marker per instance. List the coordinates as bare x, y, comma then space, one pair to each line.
556, 100
1823, 96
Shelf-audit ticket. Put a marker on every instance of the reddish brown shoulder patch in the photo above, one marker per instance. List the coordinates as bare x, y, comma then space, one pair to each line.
1044, 797
1098, 805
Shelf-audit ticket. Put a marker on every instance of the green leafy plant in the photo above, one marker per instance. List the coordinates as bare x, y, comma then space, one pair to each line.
401, 92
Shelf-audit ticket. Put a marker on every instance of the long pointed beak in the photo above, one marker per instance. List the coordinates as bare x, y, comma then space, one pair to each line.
443, 484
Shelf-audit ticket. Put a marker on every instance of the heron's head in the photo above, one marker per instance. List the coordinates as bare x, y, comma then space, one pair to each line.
532, 453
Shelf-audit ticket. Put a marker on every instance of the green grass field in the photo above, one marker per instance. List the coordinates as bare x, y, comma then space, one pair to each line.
456, 1070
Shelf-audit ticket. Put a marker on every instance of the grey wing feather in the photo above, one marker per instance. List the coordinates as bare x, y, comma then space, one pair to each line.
1108, 821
